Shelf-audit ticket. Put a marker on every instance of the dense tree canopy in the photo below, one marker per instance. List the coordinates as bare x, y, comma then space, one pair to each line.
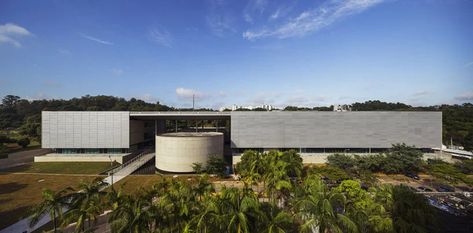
276, 197
399, 159
22, 114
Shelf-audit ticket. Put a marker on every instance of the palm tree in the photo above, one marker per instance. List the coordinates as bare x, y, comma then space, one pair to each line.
86, 204
322, 210
208, 219
175, 207
294, 161
132, 215
276, 178
277, 220
53, 203
203, 187
239, 210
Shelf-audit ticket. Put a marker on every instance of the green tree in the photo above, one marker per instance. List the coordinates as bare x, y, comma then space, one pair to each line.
24, 142
32, 126
362, 208
52, 204
468, 141
403, 159
239, 210
197, 168
342, 161
216, 165
321, 209
411, 212
132, 215
276, 220
86, 205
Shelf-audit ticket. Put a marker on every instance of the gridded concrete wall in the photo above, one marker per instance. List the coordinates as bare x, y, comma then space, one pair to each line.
335, 129
176, 152
85, 129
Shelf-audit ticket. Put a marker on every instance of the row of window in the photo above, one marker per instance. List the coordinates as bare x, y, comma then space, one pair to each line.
90, 150
322, 150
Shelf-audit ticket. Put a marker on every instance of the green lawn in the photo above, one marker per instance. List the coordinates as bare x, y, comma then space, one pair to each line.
20, 192
63, 167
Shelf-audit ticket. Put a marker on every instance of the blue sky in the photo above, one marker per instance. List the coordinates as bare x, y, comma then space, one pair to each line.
306, 53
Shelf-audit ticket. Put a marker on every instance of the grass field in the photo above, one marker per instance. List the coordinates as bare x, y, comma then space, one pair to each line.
63, 167
133, 183
20, 192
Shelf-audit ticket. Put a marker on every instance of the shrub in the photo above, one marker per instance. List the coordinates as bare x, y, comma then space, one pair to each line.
465, 166
332, 173
197, 168
216, 166
342, 161
24, 142
6, 139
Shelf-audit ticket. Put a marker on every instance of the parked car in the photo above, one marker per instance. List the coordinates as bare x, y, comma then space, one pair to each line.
424, 189
444, 188
413, 176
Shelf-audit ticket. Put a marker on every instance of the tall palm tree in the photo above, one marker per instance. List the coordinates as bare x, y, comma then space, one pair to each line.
294, 161
203, 187
239, 210
276, 178
208, 219
53, 204
276, 220
132, 215
175, 207
86, 205
322, 209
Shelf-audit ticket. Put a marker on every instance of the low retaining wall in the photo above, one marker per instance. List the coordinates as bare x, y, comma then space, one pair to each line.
119, 158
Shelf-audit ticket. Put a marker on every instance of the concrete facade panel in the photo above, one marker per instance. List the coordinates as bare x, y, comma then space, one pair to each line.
85, 129
335, 129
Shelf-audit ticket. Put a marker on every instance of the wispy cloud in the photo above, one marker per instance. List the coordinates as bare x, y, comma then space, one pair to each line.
468, 64
117, 71
313, 20
161, 37
186, 93
10, 33
421, 93
465, 97
276, 14
219, 20
254, 6
95, 39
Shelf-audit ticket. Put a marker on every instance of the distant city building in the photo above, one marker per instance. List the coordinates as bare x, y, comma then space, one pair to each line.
235, 107
341, 108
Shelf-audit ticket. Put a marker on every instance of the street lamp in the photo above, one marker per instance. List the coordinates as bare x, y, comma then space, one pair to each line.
110, 173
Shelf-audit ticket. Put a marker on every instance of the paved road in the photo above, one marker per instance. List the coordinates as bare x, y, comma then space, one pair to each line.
21, 158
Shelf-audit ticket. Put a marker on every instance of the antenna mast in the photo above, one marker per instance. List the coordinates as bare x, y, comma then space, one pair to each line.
193, 102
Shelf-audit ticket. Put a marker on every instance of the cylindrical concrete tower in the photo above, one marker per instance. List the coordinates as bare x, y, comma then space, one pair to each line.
176, 152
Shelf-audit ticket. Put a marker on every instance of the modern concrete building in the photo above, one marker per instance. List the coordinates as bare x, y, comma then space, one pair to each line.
177, 152
94, 136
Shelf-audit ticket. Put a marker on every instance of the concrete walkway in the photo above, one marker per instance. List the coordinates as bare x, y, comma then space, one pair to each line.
129, 167
126, 169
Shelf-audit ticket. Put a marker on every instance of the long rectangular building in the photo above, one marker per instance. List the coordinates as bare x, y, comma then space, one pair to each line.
335, 129
96, 133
